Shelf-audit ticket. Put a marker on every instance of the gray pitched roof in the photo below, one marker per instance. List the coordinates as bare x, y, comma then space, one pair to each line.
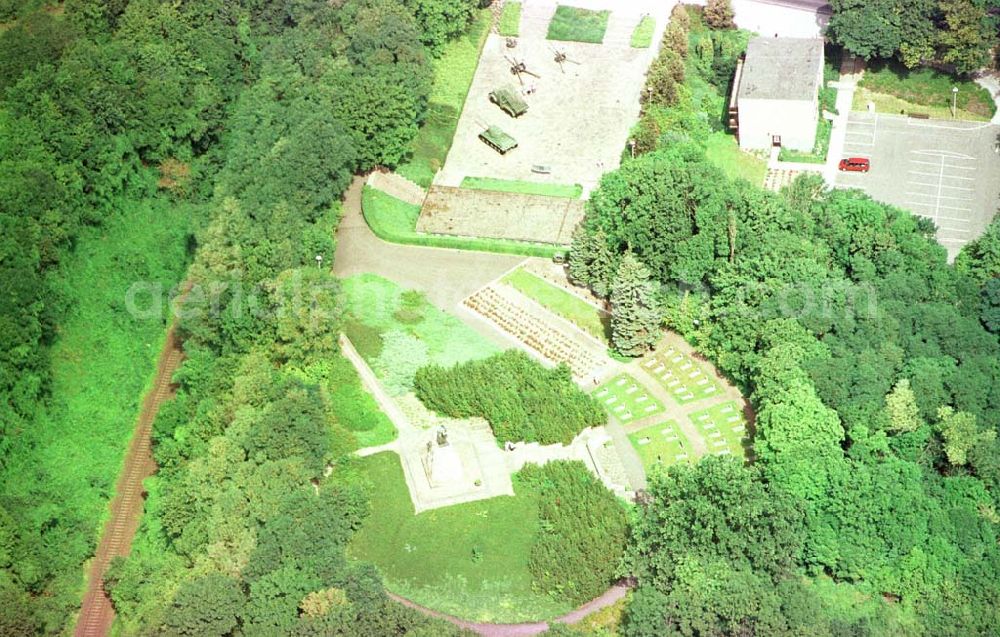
781, 69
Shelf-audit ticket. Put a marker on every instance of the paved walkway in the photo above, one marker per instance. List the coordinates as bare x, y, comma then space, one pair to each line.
848, 83
990, 80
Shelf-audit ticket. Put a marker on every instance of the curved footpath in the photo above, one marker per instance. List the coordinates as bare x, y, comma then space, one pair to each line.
609, 597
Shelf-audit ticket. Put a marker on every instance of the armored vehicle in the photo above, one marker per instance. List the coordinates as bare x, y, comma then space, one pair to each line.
509, 102
498, 140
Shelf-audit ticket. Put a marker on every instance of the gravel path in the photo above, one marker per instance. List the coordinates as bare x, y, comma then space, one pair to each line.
609, 597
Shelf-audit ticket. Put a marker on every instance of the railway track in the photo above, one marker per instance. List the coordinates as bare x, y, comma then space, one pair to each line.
96, 612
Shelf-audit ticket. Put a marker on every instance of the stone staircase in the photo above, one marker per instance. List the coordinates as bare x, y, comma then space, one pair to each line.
397, 186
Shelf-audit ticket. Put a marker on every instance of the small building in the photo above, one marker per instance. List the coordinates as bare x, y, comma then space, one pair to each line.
775, 98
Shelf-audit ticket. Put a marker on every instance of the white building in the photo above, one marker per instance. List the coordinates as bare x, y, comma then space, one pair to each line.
775, 99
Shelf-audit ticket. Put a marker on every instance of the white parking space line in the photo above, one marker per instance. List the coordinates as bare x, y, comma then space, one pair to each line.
920, 183
935, 163
939, 196
917, 172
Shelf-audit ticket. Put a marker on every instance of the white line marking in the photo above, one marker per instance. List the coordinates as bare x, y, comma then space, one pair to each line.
950, 154
934, 163
917, 172
910, 122
930, 194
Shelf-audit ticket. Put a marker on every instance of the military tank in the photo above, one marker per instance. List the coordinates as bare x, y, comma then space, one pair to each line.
498, 140
509, 101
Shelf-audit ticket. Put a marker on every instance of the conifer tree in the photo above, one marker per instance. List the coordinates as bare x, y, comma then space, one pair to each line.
635, 312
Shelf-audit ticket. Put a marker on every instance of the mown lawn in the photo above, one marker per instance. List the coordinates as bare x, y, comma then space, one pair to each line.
724, 151
468, 560
397, 331
895, 89
642, 37
558, 301
661, 445
395, 220
571, 191
510, 19
578, 25
453, 72
627, 400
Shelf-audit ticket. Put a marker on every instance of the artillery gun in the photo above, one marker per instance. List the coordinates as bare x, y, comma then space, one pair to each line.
561, 58
519, 68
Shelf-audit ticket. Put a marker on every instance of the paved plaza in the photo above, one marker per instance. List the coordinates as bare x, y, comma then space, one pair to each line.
946, 171
579, 115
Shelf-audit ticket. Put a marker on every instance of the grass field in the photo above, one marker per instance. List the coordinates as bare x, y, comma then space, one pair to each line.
895, 89
662, 444
559, 301
398, 331
395, 220
468, 560
570, 191
578, 25
626, 399
723, 428
642, 37
510, 19
680, 375
453, 72
724, 151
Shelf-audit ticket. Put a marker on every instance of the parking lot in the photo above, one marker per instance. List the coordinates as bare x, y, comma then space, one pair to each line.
946, 171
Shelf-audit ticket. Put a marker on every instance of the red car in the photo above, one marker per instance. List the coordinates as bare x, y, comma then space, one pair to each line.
855, 164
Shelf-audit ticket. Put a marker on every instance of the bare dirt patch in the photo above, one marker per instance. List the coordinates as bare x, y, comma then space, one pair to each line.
499, 215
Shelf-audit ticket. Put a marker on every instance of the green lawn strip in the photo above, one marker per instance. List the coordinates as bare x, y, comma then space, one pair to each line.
510, 19
818, 155
662, 444
453, 72
623, 397
394, 220
927, 90
469, 560
559, 301
724, 151
723, 427
680, 375
894, 106
354, 407
570, 191
578, 25
396, 337
642, 37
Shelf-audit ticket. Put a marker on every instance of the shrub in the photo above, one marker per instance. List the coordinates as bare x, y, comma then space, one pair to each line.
521, 399
582, 533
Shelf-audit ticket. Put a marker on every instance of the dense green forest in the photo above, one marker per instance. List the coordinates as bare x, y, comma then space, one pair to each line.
876, 382
137, 134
